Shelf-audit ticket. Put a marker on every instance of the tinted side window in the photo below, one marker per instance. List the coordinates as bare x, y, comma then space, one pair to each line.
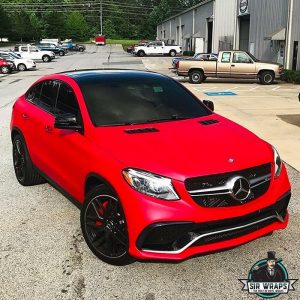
226, 57
34, 94
49, 95
66, 101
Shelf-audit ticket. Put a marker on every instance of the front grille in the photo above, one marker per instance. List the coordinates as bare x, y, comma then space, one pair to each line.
259, 178
174, 236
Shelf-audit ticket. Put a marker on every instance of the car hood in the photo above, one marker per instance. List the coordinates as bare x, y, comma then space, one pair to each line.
186, 148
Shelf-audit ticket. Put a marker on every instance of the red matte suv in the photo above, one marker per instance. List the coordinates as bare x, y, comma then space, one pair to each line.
158, 175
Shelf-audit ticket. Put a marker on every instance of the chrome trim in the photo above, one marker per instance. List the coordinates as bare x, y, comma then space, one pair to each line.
228, 187
276, 216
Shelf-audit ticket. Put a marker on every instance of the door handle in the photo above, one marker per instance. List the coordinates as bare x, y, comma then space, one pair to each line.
48, 128
233, 65
25, 116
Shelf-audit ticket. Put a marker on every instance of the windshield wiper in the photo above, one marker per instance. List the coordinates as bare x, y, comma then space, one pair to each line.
171, 118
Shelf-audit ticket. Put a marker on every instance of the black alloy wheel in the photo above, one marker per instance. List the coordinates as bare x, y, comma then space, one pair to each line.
104, 227
19, 159
25, 171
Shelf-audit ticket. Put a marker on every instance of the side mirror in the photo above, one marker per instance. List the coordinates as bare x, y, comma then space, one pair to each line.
209, 104
67, 121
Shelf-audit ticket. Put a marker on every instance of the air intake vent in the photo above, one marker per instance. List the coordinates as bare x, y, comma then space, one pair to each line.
141, 130
209, 122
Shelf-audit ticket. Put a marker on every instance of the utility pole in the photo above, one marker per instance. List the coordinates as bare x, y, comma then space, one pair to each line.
101, 21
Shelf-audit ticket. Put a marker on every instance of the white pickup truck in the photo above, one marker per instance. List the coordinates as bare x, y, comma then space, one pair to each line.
34, 53
157, 48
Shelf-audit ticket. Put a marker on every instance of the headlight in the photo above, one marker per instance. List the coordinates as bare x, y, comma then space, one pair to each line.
277, 163
150, 184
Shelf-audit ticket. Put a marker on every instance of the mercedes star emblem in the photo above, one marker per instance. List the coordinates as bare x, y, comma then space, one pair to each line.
239, 188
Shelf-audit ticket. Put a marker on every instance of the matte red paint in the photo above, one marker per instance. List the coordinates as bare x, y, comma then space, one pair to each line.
68, 158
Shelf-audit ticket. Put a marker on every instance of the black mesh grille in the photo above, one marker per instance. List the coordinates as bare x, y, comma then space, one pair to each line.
206, 182
173, 236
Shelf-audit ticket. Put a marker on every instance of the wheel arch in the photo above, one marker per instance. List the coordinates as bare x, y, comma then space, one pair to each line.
94, 179
265, 70
196, 69
15, 131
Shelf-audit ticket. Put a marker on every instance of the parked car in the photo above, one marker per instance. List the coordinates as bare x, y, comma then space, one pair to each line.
100, 40
56, 42
189, 181
34, 53
130, 49
197, 56
157, 48
51, 47
230, 64
21, 64
70, 46
6, 66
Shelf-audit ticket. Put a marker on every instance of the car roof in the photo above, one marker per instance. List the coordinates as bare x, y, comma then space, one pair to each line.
107, 74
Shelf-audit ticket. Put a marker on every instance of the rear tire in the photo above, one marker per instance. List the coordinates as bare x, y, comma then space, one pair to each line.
266, 78
46, 58
25, 171
172, 53
22, 67
104, 228
61, 53
81, 49
196, 77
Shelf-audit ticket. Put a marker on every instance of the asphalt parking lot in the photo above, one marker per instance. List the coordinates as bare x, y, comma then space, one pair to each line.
42, 252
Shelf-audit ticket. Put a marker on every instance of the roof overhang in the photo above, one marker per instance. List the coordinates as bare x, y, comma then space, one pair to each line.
278, 35
198, 35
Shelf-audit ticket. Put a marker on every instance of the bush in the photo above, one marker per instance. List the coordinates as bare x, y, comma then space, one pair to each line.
291, 76
188, 53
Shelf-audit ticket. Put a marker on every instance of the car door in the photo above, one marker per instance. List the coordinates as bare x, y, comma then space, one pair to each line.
34, 52
242, 66
158, 48
69, 148
37, 117
224, 65
151, 48
24, 52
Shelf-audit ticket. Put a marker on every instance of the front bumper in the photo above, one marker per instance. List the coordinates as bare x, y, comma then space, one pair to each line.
177, 230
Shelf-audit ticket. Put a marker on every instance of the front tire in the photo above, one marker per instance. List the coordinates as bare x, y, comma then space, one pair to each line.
5, 70
104, 228
21, 67
141, 53
61, 53
46, 58
266, 77
196, 77
25, 171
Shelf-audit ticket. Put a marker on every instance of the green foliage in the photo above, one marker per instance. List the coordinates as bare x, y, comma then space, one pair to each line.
291, 76
188, 53
76, 27
79, 19
5, 24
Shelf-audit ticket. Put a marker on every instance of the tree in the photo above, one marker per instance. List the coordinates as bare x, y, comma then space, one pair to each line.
76, 27
5, 24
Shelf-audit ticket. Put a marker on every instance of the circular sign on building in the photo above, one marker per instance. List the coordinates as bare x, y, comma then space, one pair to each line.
243, 7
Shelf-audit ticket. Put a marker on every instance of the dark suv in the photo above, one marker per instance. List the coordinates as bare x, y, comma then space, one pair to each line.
51, 47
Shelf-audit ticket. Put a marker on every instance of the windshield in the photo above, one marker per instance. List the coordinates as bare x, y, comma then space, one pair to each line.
134, 100
252, 57
14, 55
